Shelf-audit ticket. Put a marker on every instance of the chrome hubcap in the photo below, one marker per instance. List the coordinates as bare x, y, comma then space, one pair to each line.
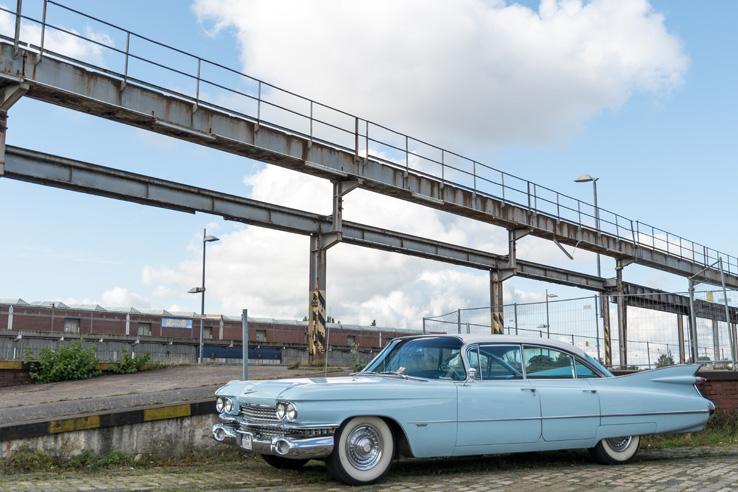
619, 444
364, 447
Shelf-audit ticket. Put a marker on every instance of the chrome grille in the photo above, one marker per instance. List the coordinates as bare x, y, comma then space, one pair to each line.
259, 412
267, 432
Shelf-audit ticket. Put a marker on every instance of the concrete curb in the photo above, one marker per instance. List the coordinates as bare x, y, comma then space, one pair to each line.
107, 419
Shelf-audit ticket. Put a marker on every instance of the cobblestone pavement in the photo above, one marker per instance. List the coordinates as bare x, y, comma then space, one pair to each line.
697, 469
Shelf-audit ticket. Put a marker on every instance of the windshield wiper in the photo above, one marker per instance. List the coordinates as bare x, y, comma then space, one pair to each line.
394, 373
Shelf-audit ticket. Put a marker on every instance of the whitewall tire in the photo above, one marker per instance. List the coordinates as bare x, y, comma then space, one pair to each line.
363, 451
616, 450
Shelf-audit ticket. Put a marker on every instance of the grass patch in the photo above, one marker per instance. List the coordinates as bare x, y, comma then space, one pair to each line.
29, 460
722, 430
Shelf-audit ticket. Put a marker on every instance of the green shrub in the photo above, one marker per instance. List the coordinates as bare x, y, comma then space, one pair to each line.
129, 363
356, 363
68, 362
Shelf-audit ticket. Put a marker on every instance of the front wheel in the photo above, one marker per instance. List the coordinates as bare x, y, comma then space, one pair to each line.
363, 451
616, 450
283, 463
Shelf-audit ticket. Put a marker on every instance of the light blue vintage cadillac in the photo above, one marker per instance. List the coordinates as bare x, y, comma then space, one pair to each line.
456, 395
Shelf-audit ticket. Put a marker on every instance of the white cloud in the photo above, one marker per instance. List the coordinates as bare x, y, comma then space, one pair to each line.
468, 71
119, 296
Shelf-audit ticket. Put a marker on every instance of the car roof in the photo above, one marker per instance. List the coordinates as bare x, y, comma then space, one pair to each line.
475, 338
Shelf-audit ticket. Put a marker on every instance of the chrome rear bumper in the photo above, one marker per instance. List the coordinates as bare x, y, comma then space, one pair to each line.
303, 448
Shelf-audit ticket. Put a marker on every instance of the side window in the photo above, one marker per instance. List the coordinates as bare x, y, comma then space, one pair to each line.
584, 371
500, 362
546, 363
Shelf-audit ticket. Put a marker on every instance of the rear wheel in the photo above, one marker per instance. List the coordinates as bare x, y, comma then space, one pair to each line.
363, 451
283, 463
616, 450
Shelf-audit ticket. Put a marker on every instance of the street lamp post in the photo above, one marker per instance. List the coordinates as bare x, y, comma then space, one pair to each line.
548, 323
201, 290
586, 178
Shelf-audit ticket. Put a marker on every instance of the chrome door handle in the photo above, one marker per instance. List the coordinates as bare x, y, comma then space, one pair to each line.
532, 390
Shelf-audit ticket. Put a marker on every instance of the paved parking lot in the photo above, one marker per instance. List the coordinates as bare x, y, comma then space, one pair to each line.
701, 469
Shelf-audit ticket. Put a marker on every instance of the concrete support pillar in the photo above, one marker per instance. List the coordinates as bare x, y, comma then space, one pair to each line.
692, 323
680, 335
622, 317
8, 96
316, 309
497, 314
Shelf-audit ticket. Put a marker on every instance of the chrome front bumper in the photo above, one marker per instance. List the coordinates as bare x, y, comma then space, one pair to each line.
286, 447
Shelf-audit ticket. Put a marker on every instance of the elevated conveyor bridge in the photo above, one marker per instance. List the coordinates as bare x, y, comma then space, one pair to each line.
274, 126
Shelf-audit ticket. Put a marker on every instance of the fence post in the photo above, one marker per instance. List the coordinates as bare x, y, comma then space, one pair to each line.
458, 320
17, 27
731, 338
245, 340
597, 325
424, 332
648, 352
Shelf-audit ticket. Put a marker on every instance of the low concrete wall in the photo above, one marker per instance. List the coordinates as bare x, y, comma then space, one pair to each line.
162, 431
160, 438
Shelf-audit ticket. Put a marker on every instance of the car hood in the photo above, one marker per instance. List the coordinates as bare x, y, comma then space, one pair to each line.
317, 388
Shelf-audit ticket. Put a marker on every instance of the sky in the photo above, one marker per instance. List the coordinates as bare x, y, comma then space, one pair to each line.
639, 94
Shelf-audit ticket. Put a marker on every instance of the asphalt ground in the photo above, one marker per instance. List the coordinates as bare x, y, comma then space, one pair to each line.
34, 402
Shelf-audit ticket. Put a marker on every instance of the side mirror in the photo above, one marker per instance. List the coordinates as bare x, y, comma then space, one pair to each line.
471, 376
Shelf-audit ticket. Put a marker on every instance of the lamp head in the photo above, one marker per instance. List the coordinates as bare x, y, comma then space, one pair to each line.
585, 178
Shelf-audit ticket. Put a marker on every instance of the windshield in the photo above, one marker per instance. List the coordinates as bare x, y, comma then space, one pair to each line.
599, 366
431, 358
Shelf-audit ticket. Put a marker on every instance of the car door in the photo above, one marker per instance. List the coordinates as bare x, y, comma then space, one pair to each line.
499, 406
570, 406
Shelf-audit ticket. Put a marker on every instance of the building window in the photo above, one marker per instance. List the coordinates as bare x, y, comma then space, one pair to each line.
350, 340
144, 329
261, 335
71, 325
207, 332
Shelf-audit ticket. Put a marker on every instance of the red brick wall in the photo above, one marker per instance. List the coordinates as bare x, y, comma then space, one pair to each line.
723, 393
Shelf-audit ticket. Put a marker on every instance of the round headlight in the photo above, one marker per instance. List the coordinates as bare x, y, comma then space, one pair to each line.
219, 405
281, 410
291, 412
227, 405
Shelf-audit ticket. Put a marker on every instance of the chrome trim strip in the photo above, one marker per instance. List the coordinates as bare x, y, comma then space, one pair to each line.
675, 412
560, 417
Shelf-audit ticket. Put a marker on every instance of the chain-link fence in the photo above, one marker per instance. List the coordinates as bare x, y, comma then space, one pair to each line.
658, 327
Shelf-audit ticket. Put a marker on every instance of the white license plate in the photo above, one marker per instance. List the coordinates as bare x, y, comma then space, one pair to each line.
246, 441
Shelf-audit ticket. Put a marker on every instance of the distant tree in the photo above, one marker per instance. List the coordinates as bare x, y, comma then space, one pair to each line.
305, 318
665, 360
374, 322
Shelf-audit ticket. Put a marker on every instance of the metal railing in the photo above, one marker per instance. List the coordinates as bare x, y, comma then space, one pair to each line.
213, 85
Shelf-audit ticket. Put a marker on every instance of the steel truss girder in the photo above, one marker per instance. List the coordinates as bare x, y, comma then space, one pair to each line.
94, 91
59, 172
36, 167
